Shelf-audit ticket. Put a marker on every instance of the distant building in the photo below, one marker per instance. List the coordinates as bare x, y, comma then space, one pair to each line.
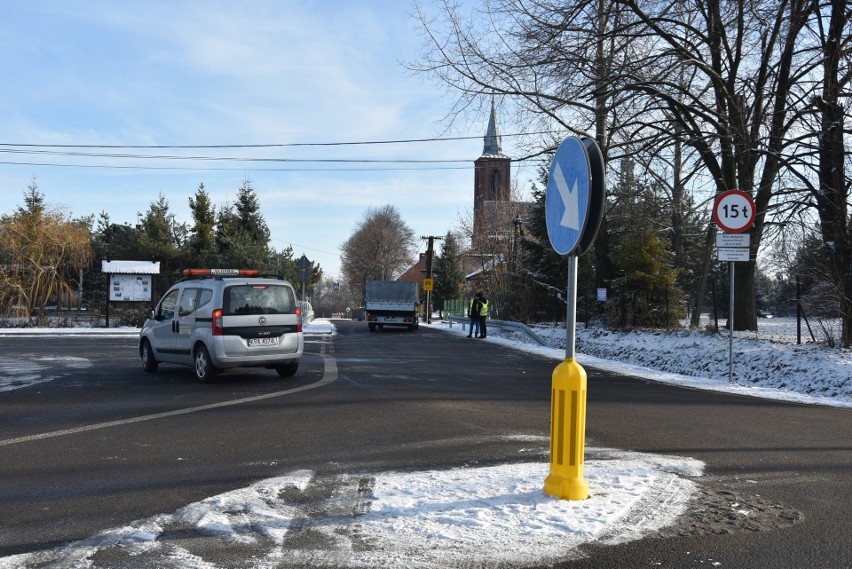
417, 272
492, 186
496, 218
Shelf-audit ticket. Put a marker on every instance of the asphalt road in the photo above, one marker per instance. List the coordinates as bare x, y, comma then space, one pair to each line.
104, 443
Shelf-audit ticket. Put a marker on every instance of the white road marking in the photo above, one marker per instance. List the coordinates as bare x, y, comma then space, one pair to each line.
329, 376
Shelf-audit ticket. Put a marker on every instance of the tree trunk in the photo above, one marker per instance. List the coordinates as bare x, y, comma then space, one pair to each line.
745, 312
846, 313
833, 195
702, 286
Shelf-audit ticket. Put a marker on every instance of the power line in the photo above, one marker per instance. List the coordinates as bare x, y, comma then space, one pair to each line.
60, 150
232, 158
272, 145
209, 169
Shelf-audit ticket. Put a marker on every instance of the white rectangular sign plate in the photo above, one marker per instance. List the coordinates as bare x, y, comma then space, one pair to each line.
733, 240
733, 254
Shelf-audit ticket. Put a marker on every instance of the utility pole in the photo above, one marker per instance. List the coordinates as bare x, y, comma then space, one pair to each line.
429, 255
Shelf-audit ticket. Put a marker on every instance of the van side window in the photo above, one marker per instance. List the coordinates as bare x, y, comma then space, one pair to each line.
188, 301
205, 297
166, 310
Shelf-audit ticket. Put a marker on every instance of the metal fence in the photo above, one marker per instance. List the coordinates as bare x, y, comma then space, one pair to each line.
455, 307
518, 327
788, 330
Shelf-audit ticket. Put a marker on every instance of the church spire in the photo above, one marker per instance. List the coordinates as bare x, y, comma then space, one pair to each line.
493, 146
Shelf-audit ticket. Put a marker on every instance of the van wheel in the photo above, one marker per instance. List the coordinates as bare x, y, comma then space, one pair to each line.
288, 370
149, 363
204, 370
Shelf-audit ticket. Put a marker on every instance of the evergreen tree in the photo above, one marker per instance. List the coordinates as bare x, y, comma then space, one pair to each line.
111, 241
541, 263
202, 241
242, 236
248, 212
544, 273
162, 238
449, 276
647, 295
646, 291
34, 205
287, 266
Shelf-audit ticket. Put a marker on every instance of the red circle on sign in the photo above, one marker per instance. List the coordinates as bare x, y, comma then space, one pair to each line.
734, 211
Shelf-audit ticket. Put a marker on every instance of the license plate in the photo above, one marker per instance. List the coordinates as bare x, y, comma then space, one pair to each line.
263, 341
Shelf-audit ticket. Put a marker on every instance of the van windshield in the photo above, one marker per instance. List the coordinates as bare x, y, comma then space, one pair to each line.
258, 299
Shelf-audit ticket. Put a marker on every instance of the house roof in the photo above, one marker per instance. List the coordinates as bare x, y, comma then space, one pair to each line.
416, 272
487, 265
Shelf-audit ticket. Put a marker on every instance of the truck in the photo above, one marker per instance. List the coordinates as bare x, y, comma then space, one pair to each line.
391, 303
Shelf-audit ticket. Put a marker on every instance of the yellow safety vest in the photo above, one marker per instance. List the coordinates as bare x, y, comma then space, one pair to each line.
484, 310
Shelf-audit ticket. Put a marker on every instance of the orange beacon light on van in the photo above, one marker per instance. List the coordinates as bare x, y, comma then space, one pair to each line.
221, 272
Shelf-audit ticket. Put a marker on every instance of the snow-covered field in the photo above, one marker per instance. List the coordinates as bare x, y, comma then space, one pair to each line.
769, 364
475, 516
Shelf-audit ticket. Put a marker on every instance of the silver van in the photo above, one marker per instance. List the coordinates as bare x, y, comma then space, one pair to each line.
223, 318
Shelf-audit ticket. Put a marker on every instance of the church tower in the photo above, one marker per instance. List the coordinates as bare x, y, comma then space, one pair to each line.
492, 183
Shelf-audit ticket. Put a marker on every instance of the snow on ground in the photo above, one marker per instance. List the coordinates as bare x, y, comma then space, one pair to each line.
485, 516
771, 366
477, 517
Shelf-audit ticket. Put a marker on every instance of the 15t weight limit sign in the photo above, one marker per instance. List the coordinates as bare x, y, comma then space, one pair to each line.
734, 211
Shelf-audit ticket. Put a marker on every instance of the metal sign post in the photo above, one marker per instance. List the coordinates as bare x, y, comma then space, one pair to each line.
731, 326
573, 210
734, 213
304, 268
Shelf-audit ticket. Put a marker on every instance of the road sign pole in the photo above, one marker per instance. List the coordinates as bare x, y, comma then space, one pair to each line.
731, 327
571, 311
734, 213
568, 411
573, 210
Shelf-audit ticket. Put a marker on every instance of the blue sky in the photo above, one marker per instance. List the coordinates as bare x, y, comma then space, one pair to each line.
231, 73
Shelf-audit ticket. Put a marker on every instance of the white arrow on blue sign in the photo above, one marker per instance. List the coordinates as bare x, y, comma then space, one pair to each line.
567, 199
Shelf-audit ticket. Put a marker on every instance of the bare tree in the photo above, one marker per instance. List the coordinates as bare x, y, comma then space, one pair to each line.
727, 80
381, 247
41, 252
552, 61
829, 189
743, 64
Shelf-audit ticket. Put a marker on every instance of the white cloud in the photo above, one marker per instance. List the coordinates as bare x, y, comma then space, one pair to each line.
259, 72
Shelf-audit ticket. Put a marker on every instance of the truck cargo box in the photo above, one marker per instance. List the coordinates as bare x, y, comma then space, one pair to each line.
391, 303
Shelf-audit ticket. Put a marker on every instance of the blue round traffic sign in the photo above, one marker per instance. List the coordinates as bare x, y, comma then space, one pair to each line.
567, 199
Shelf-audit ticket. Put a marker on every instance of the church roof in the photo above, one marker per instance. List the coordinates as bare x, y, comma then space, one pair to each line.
493, 145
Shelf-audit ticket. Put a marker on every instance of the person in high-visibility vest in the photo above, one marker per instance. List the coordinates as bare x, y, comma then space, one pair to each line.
473, 313
483, 314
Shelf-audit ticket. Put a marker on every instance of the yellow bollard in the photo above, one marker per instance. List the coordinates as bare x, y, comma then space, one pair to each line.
567, 433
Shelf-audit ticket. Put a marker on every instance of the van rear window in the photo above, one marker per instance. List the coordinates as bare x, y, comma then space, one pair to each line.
258, 299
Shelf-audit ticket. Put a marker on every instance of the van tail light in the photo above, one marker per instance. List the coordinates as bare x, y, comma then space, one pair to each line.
217, 322
298, 319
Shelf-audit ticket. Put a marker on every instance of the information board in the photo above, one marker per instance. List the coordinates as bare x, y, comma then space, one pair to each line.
130, 288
